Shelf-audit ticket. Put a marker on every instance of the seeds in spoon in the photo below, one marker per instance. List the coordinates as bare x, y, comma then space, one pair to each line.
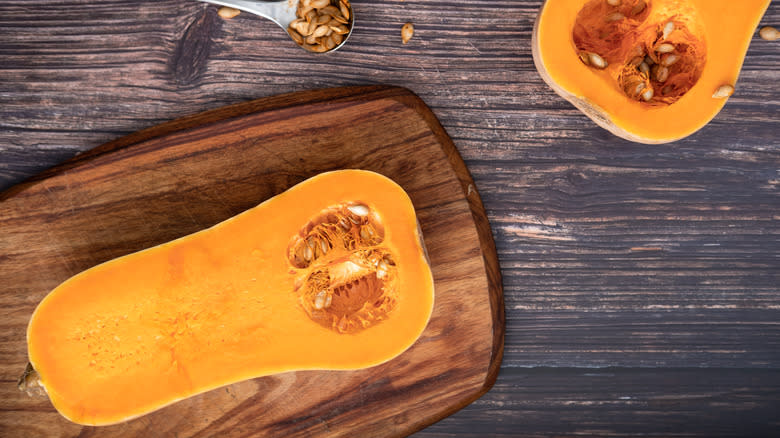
295, 36
320, 31
322, 19
344, 7
339, 29
340, 18
329, 10
330, 42
321, 24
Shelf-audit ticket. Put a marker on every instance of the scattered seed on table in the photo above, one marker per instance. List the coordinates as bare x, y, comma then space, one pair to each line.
407, 31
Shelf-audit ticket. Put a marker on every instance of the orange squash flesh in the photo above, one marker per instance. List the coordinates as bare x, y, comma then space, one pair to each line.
237, 301
721, 31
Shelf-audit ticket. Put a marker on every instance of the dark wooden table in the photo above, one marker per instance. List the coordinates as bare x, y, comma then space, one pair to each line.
641, 283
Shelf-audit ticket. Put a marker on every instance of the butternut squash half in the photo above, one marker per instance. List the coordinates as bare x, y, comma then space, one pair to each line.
650, 71
329, 275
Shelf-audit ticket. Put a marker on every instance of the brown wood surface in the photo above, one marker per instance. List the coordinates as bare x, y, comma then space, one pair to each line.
641, 282
193, 173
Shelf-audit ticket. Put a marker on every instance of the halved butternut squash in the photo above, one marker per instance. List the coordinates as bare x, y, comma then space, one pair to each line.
331, 275
650, 71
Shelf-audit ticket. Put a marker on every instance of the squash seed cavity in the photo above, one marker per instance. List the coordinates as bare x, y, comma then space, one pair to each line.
654, 59
347, 280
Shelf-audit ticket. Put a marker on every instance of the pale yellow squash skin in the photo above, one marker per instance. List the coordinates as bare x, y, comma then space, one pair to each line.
137, 333
726, 27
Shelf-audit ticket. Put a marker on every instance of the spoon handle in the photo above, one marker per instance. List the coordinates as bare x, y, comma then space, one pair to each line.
281, 12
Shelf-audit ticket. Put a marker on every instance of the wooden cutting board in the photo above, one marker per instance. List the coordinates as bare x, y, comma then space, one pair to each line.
180, 177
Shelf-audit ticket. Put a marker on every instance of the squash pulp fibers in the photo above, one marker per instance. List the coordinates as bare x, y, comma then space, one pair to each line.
329, 275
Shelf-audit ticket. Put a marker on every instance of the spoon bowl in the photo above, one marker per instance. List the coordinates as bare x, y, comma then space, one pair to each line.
317, 26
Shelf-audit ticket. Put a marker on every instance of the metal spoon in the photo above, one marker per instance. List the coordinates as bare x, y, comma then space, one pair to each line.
283, 12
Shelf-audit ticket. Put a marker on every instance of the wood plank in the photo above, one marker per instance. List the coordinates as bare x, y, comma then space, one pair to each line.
621, 402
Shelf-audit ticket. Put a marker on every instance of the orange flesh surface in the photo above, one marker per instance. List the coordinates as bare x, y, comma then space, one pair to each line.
227, 304
711, 37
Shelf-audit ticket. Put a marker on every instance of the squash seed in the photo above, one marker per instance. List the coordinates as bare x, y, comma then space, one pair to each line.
638, 52
644, 68
636, 61
311, 27
769, 33
358, 210
307, 253
597, 61
723, 91
614, 2
303, 11
648, 94
638, 8
319, 4
322, 19
329, 10
320, 31
295, 36
668, 29
669, 59
340, 18
667, 90
340, 29
227, 12
661, 73
344, 7
407, 31
584, 58
615, 16
320, 299
381, 270
665, 48
298, 24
